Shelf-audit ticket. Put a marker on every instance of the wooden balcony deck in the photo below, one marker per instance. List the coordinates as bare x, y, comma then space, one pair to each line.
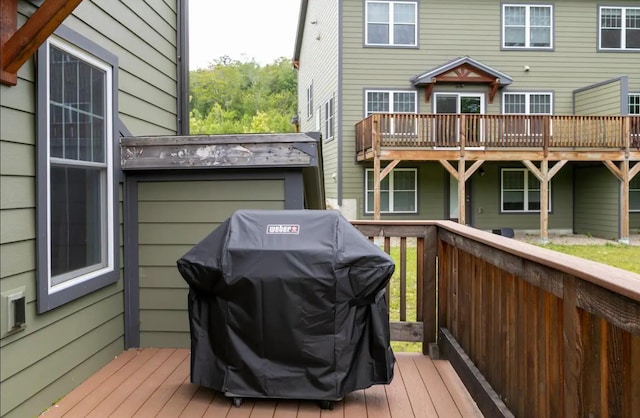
155, 383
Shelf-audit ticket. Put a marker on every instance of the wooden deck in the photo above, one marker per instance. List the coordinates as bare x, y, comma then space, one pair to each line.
155, 383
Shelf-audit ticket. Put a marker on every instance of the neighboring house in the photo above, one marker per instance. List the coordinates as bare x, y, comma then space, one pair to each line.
482, 112
110, 68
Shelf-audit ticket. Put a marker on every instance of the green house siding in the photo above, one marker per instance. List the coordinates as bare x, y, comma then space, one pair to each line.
451, 29
59, 349
597, 194
601, 99
173, 216
485, 201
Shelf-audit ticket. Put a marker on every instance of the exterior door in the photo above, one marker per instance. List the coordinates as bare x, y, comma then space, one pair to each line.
459, 103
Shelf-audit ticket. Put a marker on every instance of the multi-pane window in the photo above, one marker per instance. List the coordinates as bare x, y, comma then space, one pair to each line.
393, 102
527, 26
520, 191
634, 109
310, 101
620, 28
634, 104
329, 118
76, 173
526, 104
391, 23
634, 194
398, 191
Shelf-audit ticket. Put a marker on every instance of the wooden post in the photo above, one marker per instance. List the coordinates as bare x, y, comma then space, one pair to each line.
624, 203
462, 219
376, 167
429, 295
544, 201
571, 348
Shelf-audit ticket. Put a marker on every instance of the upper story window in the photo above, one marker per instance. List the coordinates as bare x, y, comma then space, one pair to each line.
329, 120
520, 191
310, 101
527, 26
77, 216
398, 191
391, 23
620, 28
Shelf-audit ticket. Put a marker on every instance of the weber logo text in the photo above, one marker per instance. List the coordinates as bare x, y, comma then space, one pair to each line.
283, 229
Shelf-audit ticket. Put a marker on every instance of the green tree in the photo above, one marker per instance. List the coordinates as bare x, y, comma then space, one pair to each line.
232, 96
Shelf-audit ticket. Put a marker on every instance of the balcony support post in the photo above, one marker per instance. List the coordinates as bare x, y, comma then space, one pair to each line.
462, 207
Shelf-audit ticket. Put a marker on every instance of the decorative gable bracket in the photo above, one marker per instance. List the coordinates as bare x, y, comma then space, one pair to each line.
18, 45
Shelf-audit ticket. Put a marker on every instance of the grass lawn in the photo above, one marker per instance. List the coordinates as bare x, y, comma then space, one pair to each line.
622, 256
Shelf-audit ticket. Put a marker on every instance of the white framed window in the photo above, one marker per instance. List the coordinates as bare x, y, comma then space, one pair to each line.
634, 103
527, 26
329, 118
520, 191
619, 28
391, 23
393, 101
526, 104
398, 191
77, 214
634, 194
310, 101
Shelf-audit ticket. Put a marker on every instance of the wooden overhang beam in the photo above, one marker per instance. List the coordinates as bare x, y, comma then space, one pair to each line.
18, 45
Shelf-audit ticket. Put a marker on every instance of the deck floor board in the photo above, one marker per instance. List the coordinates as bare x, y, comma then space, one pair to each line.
155, 383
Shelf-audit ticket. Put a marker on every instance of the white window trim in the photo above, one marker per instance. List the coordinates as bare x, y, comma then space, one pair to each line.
329, 118
527, 42
310, 101
390, 92
623, 34
391, 190
527, 173
89, 272
527, 99
391, 23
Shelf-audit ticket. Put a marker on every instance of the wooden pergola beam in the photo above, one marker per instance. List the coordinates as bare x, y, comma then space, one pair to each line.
18, 45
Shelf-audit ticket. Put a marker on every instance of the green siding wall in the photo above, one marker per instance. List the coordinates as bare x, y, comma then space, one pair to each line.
597, 202
319, 65
486, 201
454, 28
602, 99
61, 348
174, 216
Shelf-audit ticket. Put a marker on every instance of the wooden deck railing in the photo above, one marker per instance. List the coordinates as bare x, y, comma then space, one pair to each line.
497, 131
531, 332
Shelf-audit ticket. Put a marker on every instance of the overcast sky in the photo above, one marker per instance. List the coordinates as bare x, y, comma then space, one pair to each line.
263, 30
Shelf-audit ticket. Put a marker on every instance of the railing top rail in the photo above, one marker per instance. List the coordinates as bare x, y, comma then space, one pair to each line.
617, 280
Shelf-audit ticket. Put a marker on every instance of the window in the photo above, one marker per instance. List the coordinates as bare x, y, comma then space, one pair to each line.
520, 191
526, 104
634, 194
76, 188
634, 104
329, 118
398, 192
391, 23
527, 26
393, 102
620, 28
310, 101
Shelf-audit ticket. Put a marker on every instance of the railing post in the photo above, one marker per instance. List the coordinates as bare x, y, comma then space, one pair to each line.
571, 348
429, 295
376, 166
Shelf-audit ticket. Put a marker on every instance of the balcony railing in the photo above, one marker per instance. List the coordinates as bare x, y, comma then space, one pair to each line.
497, 131
530, 331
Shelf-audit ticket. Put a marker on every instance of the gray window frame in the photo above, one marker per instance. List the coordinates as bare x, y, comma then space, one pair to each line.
49, 298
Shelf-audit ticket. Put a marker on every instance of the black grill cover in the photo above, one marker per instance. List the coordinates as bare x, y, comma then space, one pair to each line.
288, 304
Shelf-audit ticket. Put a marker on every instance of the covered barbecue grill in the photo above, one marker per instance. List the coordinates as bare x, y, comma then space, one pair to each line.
288, 304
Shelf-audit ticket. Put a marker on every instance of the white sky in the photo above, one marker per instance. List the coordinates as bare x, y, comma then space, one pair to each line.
263, 30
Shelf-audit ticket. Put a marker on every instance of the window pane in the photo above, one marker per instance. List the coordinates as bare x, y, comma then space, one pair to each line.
515, 103
76, 219
404, 35
404, 180
534, 200
56, 131
514, 36
97, 92
611, 38
515, 15
633, 38
70, 81
540, 16
513, 179
540, 104
513, 200
404, 201
404, 103
377, 102
56, 71
378, 34
540, 37
611, 23
532, 182
70, 134
634, 200
404, 13
378, 12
